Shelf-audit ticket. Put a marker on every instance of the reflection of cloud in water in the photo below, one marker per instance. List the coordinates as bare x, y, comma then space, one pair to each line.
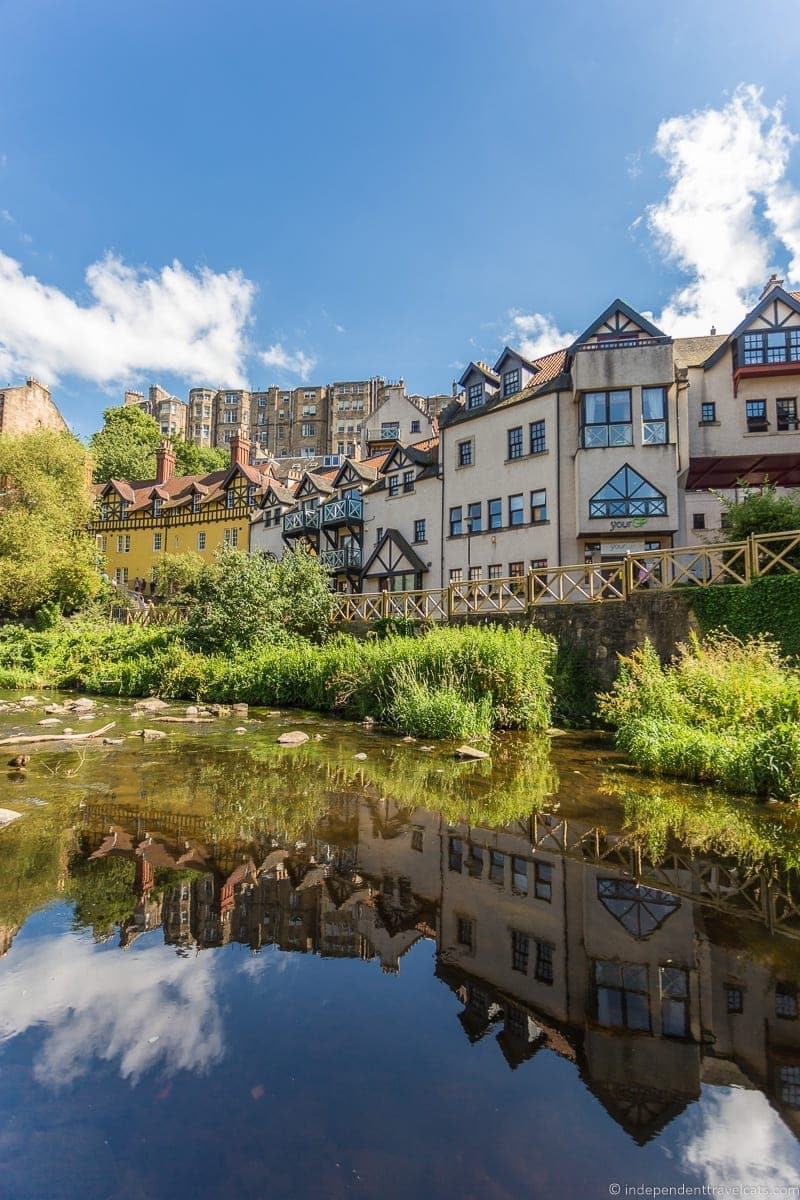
145, 1009
741, 1139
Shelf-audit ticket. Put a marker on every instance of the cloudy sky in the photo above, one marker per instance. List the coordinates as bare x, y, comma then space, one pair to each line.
197, 193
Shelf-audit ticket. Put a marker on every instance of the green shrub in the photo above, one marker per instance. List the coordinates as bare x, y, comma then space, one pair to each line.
768, 606
723, 711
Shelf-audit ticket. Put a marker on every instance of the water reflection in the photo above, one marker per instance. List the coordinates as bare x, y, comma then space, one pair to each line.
607, 942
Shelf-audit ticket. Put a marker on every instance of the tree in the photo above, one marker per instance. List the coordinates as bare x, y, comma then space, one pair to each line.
198, 460
762, 511
46, 554
177, 575
125, 448
302, 596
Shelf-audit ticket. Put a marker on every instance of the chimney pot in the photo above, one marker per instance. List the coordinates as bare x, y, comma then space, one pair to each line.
773, 282
165, 461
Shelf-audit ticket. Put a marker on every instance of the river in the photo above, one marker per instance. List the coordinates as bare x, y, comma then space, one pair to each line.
232, 968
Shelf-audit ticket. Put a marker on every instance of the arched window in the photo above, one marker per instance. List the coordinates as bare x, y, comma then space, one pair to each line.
627, 494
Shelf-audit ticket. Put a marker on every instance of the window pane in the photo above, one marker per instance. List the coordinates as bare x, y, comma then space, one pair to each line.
653, 404
594, 408
619, 406
609, 1006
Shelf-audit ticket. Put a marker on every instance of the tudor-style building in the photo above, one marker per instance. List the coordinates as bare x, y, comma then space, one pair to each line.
137, 522
403, 526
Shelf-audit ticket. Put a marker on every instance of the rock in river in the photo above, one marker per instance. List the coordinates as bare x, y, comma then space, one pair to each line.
294, 737
151, 735
469, 752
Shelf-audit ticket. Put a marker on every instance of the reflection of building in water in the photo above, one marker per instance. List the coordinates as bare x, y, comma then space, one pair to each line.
649, 987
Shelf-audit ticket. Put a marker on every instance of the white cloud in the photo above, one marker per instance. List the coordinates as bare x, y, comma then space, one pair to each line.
296, 363
149, 1007
737, 1138
190, 323
535, 334
729, 209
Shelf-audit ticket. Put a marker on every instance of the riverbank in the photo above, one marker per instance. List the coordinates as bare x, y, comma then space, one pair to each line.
450, 682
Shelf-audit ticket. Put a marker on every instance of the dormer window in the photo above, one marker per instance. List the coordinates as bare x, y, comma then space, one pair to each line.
511, 382
251, 495
104, 510
475, 395
195, 503
773, 346
230, 498
157, 506
394, 485
123, 509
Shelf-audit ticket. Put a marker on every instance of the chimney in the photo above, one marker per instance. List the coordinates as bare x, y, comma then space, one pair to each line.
713, 331
165, 461
240, 451
773, 282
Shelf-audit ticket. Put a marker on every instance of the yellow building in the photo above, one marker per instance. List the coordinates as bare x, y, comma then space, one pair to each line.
137, 522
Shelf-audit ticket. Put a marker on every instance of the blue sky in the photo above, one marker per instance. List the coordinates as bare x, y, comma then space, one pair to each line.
391, 184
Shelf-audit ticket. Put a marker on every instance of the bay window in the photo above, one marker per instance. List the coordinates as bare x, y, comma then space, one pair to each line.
654, 416
606, 419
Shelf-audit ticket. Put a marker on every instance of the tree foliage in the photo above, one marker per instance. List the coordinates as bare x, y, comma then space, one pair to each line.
46, 553
762, 511
242, 599
125, 448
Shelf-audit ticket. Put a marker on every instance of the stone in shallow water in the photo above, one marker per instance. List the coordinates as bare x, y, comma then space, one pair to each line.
151, 735
469, 752
151, 704
294, 737
360, 756
7, 815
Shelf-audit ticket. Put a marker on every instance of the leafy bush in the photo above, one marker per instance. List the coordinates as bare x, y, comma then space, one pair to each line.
761, 511
770, 606
723, 711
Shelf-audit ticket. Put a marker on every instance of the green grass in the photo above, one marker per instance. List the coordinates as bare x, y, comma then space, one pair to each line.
452, 682
724, 711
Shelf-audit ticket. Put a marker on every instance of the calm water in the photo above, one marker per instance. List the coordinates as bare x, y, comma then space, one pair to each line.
233, 969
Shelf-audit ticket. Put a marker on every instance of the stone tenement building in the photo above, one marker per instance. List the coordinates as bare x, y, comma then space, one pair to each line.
28, 407
312, 421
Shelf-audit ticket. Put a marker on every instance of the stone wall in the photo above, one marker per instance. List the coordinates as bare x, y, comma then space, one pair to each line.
27, 408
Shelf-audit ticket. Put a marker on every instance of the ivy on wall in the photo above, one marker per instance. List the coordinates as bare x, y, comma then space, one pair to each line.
770, 605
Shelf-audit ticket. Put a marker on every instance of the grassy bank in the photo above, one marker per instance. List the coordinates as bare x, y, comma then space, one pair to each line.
449, 683
723, 712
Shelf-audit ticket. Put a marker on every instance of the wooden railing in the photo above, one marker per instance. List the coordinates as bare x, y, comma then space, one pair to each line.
721, 564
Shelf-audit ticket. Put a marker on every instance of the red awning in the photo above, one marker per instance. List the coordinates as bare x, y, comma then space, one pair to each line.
783, 470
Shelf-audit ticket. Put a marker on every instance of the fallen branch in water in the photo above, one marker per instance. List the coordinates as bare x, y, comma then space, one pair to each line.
22, 738
184, 720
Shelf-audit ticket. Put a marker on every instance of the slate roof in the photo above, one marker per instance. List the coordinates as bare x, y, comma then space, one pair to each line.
551, 369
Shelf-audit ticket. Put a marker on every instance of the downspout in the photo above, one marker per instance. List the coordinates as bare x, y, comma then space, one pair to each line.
441, 522
558, 475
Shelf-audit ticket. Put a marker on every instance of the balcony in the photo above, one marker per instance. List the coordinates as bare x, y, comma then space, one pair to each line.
346, 558
302, 520
347, 510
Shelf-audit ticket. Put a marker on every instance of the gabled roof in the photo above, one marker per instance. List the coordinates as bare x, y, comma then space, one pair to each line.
791, 299
631, 314
484, 370
510, 352
551, 374
366, 468
405, 548
315, 482
178, 489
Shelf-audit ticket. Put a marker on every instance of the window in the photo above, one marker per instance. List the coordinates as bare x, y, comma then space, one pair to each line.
474, 574
201, 540
474, 517
698, 520
544, 962
475, 395
607, 419
519, 951
497, 866
640, 910
708, 413
456, 521
417, 837
543, 880
415, 427
519, 875
475, 861
394, 485
495, 511
124, 543
156, 541
538, 564
495, 571
539, 507
465, 935
786, 411
306, 429
786, 1001
516, 570
516, 1022
621, 996
408, 481
121, 576
230, 498
157, 503
379, 533
455, 853
772, 346
515, 442
756, 413
537, 437
390, 429
511, 382
456, 575
516, 511
419, 530
231, 537
464, 457
674, 1001
734, 999
654, 416
789, 1090
628, 494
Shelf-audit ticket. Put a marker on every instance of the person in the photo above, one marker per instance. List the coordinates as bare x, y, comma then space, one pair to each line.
643, 575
